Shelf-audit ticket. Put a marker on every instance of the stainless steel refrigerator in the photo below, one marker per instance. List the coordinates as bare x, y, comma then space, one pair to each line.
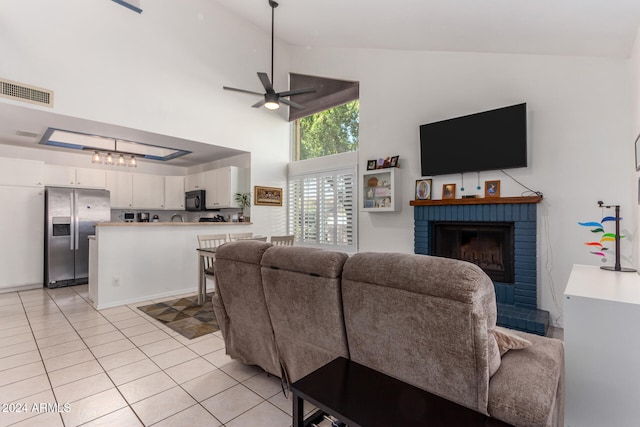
70, 218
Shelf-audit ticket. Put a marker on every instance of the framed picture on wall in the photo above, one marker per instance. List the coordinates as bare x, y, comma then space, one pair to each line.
267, 196
492, 188
372, 164
448, 191
423, 189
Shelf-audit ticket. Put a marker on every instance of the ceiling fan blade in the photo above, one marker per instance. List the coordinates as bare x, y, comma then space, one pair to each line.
297, 91
265, 81
259, 104
242, 90
291, 103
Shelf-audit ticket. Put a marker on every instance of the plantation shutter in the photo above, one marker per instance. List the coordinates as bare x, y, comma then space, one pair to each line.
321, 208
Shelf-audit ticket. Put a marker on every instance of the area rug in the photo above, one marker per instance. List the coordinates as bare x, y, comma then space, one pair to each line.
185, 316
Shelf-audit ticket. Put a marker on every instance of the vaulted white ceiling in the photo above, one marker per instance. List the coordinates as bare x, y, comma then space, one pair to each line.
557, 27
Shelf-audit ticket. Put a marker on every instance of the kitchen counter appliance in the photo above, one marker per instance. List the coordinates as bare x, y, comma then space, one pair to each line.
195, 200
70, 218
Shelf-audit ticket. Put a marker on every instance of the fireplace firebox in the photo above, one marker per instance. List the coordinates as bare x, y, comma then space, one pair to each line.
489, 245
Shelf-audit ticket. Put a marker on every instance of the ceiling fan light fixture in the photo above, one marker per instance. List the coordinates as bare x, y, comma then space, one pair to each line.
271, 101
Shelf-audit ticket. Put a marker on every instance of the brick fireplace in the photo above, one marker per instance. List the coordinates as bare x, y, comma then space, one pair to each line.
469, 227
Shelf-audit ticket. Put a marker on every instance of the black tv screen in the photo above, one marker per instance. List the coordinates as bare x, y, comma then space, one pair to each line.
491, 140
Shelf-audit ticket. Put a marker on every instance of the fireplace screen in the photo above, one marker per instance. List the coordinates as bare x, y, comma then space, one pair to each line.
488, 245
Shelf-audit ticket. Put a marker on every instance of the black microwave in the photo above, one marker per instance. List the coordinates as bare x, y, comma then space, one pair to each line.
195, 200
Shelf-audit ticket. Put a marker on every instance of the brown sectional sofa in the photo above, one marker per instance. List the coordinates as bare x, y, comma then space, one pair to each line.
427, 321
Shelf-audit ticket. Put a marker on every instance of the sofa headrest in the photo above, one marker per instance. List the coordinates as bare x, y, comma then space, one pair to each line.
250, 251
317, 262
423, 274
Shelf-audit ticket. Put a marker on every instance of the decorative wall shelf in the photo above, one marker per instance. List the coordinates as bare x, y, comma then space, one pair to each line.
478, 201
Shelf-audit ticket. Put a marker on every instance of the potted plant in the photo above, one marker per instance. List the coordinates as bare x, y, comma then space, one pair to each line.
244, 201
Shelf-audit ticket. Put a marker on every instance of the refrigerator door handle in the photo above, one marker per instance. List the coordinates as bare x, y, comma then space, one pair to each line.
72, 228
75, 220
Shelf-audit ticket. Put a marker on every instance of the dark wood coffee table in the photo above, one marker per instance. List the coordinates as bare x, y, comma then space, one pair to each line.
362, 397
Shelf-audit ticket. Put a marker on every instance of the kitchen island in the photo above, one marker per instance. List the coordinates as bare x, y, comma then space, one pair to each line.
140, 261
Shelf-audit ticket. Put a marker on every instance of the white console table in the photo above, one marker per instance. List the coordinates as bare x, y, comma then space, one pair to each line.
602, 346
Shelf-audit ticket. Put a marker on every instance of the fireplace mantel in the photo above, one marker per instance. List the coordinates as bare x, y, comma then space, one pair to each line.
478, 201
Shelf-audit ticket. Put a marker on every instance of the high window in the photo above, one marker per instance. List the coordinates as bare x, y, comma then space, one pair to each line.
322, 177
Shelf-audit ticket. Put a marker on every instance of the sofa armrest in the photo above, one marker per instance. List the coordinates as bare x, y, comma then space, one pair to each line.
528, 389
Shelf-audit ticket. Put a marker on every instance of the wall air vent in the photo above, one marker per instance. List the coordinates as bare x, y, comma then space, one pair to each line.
21, 92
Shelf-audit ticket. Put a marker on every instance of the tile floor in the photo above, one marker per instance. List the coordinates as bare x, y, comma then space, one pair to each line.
119, 367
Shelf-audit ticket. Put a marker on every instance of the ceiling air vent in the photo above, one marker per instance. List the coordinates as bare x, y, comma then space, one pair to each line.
21, 92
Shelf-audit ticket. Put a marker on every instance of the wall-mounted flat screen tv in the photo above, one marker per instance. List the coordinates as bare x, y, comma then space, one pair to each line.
491, 140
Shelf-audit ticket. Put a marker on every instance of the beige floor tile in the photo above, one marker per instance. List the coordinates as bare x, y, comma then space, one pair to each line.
102, 339
27, 387
163, 405
93, 407
91, 323
48, 330
69, 359
14, 322
82, 388
128, 323
149, 337
241, 372
230, 403
58, 350
22, 347
133, 371
160, 347
189, 370
263, 415
56, 339
96, 330
112, 348
195, 416
207, 346
75, 373
265, 385
124, 417
140, 329
286, 404
218, 358
116, 360
209, 384
121, 315
49, 419
19, 360
16, 339
21, 373
20, 330
174, 357
8, 418
148, 386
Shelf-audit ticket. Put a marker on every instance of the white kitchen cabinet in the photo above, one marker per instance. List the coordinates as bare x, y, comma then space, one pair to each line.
22, 230
120, 186
195, 181
23, 173
221, 185
601, 313
148, 191
174, 192
65, 176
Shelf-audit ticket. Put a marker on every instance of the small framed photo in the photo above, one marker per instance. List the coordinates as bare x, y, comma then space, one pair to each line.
448, 191
492, 188
638, 153
372, 164
368, 204
423, 189
267, 196
393, 163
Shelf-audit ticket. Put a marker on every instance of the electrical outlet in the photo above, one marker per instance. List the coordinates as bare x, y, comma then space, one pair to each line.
115, 281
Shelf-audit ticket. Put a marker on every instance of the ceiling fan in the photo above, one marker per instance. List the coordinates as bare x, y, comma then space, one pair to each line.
272, 99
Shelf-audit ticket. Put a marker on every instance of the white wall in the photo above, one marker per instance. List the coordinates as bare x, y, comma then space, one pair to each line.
580, 144
634, 71
161, 71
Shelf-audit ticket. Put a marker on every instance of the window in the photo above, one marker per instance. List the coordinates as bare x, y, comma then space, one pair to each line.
331, 131
321, 208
